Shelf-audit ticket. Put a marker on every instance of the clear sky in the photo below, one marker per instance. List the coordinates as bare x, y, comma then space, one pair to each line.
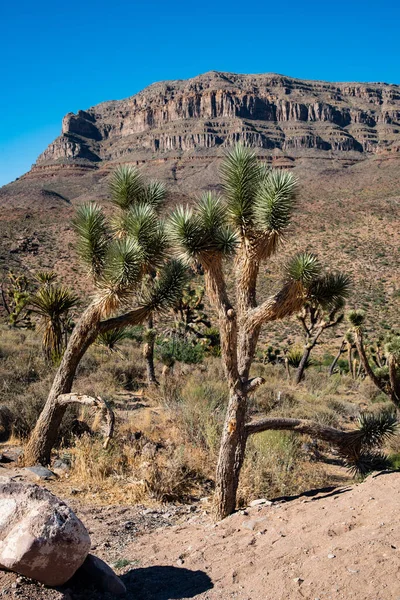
58, 56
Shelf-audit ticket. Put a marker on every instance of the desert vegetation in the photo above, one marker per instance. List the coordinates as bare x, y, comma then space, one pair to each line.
174, 344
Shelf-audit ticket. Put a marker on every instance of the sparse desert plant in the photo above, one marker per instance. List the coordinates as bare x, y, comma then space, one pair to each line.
118, 253
52, 304
248, 224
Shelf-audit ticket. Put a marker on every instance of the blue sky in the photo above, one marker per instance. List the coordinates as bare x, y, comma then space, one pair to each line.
57, 57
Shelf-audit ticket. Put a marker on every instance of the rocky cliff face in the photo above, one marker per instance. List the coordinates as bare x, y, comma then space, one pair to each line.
216, 110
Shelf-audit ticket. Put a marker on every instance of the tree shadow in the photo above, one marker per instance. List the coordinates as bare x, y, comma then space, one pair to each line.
316, 494
165, 583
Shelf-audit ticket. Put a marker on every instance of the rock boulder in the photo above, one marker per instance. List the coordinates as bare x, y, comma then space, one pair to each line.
40, 536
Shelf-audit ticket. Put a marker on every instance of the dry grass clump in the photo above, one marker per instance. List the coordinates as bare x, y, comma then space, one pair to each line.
136, 469
278, 464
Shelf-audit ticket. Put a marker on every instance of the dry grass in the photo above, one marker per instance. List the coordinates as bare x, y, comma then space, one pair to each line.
167, 439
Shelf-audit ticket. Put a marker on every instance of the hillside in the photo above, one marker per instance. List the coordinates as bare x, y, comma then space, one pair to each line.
341, 139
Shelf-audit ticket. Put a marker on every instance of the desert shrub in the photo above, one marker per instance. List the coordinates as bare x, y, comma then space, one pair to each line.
127, 375
341, 407
276, 465
199, 409
180, 350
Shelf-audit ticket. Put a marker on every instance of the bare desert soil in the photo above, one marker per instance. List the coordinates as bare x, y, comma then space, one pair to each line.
329, 545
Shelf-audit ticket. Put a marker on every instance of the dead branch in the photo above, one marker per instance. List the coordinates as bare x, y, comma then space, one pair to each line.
98, 402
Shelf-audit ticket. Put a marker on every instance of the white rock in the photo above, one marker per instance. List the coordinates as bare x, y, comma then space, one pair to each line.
260, 501
40, 536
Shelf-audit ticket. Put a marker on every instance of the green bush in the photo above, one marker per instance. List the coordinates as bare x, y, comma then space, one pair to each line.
179, 350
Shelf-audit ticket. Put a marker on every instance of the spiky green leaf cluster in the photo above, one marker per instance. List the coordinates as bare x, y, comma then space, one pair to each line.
362, 454
304, 268
330, 290
274, 201
112, 338
259, 200
204, 232
241, 175
52, 301
122, 265
128, 189
142, 224
392, 347
166, 289
377, 428
356, 318
45, 277
93, 236
126, 186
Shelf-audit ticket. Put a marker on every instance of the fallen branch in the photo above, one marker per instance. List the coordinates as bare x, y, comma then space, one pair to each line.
106, 411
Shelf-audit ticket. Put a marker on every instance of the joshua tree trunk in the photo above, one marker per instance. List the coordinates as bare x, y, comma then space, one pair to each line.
350, 359
46, 430
394, 381
231, 455
335, 360
359, 341
303, 363
148, 353
45, 433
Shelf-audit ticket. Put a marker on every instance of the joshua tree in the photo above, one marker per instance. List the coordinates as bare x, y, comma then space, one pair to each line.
189, 310
51, 304
386, 377
247, 225
117, 264
136, 213
322, 310
15, 296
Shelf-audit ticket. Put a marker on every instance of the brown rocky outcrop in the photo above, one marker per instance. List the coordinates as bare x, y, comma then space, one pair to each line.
216, 110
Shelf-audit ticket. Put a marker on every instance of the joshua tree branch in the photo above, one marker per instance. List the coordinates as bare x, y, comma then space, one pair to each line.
133, 317
252, 384
394, 381
107, 412
286, 302
338, 355
327, 434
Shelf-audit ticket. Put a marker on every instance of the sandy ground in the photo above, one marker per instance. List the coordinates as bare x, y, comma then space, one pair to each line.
340, 544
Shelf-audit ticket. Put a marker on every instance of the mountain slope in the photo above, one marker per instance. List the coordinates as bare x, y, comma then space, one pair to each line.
341, 139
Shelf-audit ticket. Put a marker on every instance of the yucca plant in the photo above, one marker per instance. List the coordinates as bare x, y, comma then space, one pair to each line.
110, 340
51, 304
246, 225
45, 277
117, 259
361, 451
322, 310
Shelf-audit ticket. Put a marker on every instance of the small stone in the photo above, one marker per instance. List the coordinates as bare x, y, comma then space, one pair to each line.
331, 555
298, 580
249, 525
260, 501
41, 472
180, 562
